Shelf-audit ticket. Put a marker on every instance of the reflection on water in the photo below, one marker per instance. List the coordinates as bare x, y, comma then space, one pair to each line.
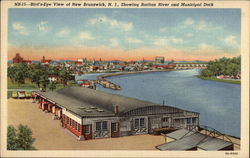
218, 103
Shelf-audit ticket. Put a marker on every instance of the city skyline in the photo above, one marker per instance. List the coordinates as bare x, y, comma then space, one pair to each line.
124, 34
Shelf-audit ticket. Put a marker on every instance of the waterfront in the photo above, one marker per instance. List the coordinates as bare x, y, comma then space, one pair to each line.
218, 103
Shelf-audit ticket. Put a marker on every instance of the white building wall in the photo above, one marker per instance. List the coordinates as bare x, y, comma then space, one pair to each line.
72, 116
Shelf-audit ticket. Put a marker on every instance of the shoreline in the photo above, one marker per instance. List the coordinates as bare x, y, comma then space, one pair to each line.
219, 80
107, 84
128, 73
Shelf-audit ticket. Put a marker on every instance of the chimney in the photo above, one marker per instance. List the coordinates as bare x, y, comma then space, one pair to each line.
116, 109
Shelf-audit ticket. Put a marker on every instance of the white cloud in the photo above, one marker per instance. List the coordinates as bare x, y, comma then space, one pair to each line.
163, 29
189, 21
204, 46
19, 28
126, 26
133, 40
189, 35
162, 42
43, 26
86, 36
205, 26
166, 41
114, 42
230, 41
202, 25
176, 40
63, 32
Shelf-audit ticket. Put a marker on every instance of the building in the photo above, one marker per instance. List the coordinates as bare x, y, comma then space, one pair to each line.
193, 140
159, 60
17, 58
53, 78
45, 61
91, 114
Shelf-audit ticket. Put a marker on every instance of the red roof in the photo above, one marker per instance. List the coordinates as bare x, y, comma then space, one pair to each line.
85, 83
45, 61
78, 62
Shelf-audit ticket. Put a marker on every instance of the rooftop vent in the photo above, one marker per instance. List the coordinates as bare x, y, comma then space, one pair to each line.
88, 111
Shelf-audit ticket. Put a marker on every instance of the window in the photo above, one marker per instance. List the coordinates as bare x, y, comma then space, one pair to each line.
164, 119
139, 122
136, 123
78, 127
86, 129
101, 126
67, 118
142, 122
70, 121
177, 121
194, 120
104, 125
98, 126
114, 127
188, 120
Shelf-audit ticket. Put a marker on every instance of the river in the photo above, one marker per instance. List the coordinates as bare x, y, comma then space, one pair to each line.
218, 103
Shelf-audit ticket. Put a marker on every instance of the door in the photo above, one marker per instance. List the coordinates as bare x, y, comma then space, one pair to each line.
101, 129
139, 126
153, 122
87, 131
115, 129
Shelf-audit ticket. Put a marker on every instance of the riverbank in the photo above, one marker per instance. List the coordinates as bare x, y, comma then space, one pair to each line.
107, 84
219, 80
127, 73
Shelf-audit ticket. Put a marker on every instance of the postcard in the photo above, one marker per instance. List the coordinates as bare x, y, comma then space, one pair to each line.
125, 78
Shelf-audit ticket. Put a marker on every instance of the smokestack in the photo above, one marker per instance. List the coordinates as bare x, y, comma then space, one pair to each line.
116, 109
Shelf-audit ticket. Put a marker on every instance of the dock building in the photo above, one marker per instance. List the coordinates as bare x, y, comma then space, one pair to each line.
91, 114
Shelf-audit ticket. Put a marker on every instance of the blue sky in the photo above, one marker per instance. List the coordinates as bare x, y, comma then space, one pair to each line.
200, 33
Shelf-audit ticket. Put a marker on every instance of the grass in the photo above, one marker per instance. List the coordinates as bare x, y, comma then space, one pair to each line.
219, 80
29, 85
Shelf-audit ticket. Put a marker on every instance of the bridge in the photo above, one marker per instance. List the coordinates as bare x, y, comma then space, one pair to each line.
184, 66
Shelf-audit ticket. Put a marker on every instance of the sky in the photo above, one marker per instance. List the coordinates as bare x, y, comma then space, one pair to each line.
124, 33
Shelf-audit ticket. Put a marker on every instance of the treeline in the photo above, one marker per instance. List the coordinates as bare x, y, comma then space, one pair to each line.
38, 74
223, 66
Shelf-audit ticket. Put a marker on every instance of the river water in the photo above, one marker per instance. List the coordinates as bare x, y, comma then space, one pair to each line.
218, 103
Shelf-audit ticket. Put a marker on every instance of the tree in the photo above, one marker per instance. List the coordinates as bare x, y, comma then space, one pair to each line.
10, 73
52, 85
65, 76
35, 77
11, 138
44, 81
20, 139
223, 66
18, 73
24, 138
